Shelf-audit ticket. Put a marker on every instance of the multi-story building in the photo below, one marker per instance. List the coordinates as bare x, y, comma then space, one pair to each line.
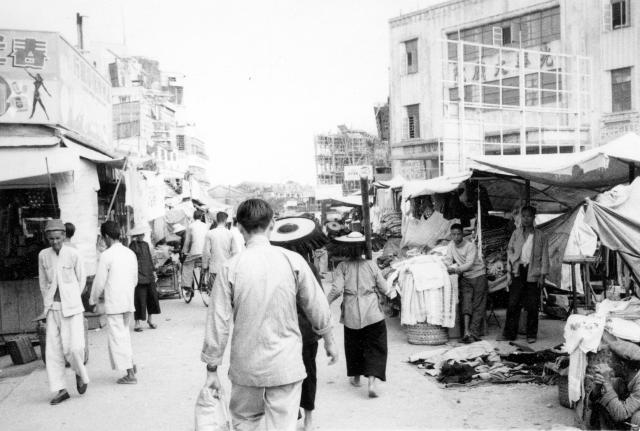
335, 151
194, 152
148, 124
523, 77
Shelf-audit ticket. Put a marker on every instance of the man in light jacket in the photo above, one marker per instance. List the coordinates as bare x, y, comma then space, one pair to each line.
527, 267
62, 279
219, 246
116, 280
258, 290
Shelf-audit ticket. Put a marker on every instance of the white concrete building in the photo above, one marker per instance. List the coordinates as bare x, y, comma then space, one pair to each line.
539, 76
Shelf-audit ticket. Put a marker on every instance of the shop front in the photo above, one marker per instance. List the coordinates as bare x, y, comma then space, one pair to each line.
44, 175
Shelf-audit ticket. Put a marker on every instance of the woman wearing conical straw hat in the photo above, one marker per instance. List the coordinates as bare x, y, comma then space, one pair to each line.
359, 282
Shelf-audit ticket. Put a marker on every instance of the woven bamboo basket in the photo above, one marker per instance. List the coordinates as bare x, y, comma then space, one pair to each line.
563, 392
427, 334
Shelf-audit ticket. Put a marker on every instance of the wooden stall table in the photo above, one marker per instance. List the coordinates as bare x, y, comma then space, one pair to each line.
583, 261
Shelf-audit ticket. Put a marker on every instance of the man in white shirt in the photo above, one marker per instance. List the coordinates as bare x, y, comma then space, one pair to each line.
193, 247
238, 239
219, 246
116, 280
62, 279
258, 290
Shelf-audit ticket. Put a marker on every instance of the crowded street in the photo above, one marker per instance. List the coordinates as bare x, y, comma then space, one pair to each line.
275, 215
170, 376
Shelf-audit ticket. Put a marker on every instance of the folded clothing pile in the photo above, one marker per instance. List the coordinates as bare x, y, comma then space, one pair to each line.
391, 224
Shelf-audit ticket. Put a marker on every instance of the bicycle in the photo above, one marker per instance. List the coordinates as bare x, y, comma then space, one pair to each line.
199, 282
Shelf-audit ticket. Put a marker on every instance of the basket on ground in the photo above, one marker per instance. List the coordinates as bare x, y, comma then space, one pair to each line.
426, 334
563, 392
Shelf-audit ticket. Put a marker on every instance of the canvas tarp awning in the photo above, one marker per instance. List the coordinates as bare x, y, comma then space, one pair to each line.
25, 162
596, 169
394, 183
443, 184
93, 155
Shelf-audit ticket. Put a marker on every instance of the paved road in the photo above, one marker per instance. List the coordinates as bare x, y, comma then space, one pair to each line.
171, 374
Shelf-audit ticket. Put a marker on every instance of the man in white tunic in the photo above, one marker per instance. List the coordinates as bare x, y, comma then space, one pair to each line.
62, 280
193, 247
219, 246
258, 290
116, 280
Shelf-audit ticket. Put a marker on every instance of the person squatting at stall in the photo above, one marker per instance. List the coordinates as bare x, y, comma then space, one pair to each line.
116, 280
193, 247
62, 279
145, 300
462, 258
259, 290
527, 267
359, 281
618, 397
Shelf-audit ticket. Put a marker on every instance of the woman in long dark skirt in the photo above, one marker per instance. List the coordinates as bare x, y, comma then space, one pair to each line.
359, 282
146, 294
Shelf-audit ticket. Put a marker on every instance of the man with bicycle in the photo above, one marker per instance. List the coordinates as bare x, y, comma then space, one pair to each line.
258, 289
193, 248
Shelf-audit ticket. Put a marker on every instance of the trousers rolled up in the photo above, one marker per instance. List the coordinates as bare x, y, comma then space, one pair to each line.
474, 301
65, 343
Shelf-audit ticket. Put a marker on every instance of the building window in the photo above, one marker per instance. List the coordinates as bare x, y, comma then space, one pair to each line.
619, 13
180, 142
411, 50
621, 89
413, 121
506, 35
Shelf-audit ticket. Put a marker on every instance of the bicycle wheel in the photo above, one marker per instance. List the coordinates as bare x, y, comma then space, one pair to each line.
187, 292
205, 291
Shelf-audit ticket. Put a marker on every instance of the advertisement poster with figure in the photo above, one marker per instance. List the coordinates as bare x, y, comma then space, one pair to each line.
44, 80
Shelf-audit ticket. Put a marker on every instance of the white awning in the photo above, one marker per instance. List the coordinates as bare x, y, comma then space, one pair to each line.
93, 155
444, 184
26, 162
28, 141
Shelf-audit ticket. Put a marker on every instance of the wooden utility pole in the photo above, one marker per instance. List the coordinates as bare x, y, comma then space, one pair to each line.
366, 218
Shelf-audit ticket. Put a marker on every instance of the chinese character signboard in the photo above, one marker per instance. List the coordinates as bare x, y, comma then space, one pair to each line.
44, 80
354, 172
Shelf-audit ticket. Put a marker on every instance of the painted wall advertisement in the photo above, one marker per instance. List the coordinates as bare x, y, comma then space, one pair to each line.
44, 80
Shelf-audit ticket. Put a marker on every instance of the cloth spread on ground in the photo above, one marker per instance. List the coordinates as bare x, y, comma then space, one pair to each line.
582, 334
428, 293
480, 363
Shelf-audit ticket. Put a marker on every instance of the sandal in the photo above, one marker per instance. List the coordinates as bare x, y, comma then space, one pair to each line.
152, 325
127, 380
138, 329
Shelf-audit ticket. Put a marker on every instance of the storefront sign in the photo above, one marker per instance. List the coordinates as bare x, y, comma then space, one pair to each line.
355, 172
44, 80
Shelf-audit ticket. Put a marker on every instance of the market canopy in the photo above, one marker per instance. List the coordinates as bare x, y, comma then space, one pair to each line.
394, 183
443, 184
596, 169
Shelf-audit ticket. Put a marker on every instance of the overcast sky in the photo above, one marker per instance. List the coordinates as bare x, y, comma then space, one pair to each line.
262, 76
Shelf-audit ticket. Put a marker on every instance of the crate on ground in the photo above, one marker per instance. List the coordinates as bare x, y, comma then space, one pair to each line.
21, 350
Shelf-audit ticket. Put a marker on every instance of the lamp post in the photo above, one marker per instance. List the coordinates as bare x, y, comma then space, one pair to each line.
366, 219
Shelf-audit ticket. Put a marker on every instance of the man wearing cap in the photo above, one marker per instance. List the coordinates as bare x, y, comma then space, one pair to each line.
258, 290
62, 279
219, 246
116, 280
146, 295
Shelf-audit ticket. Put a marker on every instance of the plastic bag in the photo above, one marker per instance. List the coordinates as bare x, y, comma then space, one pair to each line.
212, 412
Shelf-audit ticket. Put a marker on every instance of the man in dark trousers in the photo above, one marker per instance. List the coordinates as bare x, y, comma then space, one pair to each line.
527, 267
146, 295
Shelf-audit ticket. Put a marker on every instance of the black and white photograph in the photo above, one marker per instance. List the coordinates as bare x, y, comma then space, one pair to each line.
306, 215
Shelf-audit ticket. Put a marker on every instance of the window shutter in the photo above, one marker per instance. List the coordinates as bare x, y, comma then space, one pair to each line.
607, 16
497, 36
